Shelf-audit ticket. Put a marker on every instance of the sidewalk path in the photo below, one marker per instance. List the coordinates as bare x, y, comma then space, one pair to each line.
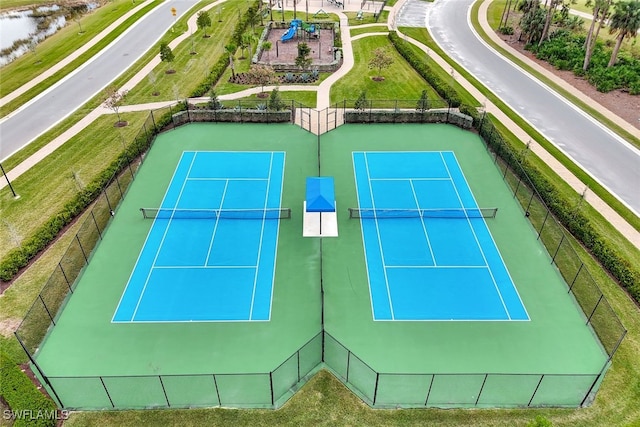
324, 102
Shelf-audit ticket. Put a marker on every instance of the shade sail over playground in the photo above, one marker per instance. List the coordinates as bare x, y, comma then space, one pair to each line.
320, 194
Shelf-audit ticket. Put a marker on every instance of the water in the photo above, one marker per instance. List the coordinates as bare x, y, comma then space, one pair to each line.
20, 29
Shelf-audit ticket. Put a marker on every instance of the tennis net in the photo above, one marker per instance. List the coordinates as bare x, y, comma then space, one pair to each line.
167, 213
454, 213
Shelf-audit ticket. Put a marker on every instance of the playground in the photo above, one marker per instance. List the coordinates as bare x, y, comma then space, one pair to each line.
319, 40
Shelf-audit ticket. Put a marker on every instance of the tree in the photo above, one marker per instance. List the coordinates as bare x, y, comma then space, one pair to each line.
380, 60
532, 21
115, 99
423, 102
303, 60
214, 103
361, 103
153, 79
244, 43
204, 22
626, 22
275, 103
166, 55
231, 50
601, 10
266, 46
262, 75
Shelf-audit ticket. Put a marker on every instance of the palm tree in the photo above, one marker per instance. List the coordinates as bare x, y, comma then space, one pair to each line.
626, 22
600, 14
547, 21
231, 50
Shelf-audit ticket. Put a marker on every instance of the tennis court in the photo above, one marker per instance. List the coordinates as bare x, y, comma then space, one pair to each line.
216, 230
429, 253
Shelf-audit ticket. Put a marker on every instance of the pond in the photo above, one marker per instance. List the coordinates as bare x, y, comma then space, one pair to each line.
22, 30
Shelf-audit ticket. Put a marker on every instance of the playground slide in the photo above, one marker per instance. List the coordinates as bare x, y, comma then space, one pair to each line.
290, 33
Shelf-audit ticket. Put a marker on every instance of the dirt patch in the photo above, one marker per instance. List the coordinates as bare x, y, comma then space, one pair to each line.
9, 326
621, 103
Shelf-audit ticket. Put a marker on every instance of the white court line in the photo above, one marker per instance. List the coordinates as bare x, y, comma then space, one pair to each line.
166, 192
215, 227
495, 245
264, 206
415, 179
495, 285
202, 267
227, 179
384, 268
364, 246
166, 230
439, 266
424, 227
275, 252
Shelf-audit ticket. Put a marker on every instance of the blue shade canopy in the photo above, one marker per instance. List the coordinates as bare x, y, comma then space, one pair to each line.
320, 194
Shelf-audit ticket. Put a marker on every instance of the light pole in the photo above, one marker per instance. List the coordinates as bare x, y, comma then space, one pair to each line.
15, 196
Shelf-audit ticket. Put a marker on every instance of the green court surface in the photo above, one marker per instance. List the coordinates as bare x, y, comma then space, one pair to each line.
555, 342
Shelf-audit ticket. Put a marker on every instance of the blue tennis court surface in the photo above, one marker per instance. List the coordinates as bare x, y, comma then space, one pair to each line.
210, 268
426, 268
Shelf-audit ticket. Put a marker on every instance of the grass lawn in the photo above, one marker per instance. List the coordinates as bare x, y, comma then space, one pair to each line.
400, 80
46, 188
375, 29
190, 69
62, 44
367, 18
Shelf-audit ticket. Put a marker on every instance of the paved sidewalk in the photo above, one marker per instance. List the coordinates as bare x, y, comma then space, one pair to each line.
323, 103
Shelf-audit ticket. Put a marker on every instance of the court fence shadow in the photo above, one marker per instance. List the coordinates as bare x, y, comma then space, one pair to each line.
272, 389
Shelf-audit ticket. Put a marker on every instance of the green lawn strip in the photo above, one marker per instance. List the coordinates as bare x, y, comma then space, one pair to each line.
367, 18
57, 47
190, 69
42, 86
572, 98
422, 35
50, 184
401, 82
305, 98
354, 31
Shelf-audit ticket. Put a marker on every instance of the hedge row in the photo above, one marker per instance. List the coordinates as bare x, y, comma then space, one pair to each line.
22, 395
222, 63
18, 258
424, 69
574, 220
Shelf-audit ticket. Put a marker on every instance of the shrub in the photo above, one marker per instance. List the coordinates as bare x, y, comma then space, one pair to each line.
424, 69
22, 395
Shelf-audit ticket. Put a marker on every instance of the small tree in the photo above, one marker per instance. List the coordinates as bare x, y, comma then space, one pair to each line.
214, 103
115, 99
204, 22
231, 50
33, 46
166, 55
262, 75
361, 102
275, 103
267, 45
153, 79
423, 102
245, 41
380, 60
303, 60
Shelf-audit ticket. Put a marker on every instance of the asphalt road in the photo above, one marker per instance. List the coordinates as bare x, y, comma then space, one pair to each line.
23, 126
605, 156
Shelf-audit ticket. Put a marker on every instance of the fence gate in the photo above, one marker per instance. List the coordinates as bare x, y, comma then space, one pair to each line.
305, 118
